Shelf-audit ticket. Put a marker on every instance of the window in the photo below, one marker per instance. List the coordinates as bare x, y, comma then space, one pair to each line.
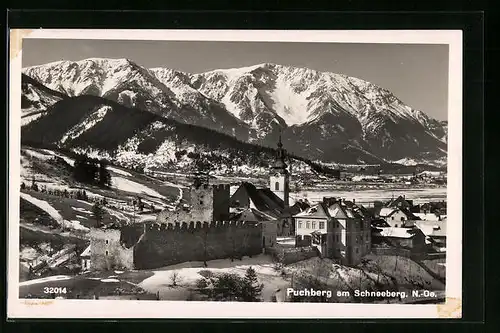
357, 250
314, 225
392, 217
106, 252
402, 218
396, 225
322, 225
277, 186
107, 242
201, 202
300, 225
308, 225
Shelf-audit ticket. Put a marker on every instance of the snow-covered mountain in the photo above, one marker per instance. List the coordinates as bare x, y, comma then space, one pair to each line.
136, 139
321, 115
127, 83
319, 111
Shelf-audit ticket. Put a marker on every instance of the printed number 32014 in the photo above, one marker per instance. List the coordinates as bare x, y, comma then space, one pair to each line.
54, 290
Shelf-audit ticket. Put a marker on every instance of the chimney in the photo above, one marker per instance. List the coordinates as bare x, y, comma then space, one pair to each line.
329, 200
354, 201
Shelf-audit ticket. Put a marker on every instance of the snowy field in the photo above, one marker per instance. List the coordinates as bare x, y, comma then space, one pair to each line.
134, 187
418, 195
188, 274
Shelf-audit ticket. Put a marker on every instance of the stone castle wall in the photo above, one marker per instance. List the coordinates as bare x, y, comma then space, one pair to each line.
168, 244
107, 251
208, 203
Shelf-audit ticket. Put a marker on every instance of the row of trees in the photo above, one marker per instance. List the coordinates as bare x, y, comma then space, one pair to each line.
64, 193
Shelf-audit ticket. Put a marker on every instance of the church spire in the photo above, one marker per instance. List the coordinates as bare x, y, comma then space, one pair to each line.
279, 180
279, 162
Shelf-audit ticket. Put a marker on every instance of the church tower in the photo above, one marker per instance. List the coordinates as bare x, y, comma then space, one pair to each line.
279, 179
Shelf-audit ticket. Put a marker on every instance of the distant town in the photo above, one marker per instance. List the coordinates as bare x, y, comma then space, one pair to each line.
219, 235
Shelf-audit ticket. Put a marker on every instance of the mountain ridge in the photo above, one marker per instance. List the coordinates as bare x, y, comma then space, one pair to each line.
330, 112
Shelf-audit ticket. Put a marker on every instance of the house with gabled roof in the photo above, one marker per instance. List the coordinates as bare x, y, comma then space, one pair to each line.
400, 202
435, 232
269, 224
337, 230
411, 239
397, 217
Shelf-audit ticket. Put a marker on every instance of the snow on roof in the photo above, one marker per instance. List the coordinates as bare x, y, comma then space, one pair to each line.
394, 232
386, 211
333, 212
432, 228
308, 211
349, 213
427, 216
86, 252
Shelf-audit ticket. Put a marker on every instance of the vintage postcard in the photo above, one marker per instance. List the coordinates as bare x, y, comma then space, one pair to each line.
190, 174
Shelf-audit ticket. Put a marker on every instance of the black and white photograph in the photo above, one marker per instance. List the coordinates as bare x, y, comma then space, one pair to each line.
155, 168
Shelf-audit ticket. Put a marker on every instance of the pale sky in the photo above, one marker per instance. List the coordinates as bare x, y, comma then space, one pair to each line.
416, 74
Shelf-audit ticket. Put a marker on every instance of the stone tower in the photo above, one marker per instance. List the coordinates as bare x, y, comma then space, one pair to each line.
279, 179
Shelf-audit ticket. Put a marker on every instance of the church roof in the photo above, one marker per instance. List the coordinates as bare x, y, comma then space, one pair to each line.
264, 199
252, 215
279, 164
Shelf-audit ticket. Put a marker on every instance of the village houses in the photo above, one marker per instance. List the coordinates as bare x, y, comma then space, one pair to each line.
338, 231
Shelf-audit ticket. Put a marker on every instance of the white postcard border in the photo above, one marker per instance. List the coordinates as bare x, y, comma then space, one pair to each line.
19, 308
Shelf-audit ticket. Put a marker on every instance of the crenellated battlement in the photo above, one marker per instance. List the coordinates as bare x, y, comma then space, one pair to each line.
221, 187
212, 186
110, 234
199, 225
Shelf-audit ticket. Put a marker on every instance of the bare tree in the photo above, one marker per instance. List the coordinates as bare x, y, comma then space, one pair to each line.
175, 278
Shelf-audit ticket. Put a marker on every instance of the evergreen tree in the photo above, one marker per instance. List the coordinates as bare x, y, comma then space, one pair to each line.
140, 204
34, 185
98, 213
104, 175
252, 289
228, 287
